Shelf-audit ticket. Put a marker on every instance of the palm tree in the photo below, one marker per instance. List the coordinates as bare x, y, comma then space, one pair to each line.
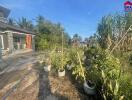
25, 24
11, 21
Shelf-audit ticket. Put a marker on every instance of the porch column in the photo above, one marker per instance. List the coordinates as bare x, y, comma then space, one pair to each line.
33, 42
0, 53
10, 41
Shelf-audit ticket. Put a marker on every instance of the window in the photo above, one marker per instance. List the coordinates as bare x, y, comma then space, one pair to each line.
1, 42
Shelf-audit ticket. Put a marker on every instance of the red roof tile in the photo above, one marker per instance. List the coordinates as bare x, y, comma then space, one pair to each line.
127, 3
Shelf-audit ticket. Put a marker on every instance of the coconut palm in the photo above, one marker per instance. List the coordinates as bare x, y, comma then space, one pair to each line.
11, 21
25, 24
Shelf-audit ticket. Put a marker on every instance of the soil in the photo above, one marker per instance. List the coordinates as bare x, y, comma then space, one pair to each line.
64, 89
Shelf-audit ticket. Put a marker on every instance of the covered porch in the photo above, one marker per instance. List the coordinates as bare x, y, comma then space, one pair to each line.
22, 41
12, 41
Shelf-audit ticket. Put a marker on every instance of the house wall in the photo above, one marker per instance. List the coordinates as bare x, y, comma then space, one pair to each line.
8, 37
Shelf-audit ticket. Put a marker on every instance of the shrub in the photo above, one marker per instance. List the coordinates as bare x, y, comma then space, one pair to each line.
105, 71
79, 71
57, 62
130, 59
126, 85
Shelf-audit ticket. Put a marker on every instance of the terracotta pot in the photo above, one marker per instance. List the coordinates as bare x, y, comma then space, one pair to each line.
47, 68
89, 87
61, 73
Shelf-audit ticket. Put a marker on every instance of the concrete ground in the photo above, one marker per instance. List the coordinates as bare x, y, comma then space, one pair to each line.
17, 66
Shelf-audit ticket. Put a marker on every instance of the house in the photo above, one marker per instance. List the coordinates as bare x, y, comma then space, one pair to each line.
13, 38
128, 6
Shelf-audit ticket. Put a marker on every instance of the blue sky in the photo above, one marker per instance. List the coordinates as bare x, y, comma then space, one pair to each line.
77, 16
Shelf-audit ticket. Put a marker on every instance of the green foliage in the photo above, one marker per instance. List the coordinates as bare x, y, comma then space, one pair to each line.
126, 85
105, 71
105, 31
110, 88
11, 21
112, 28
49, 34
25, 24
130, 59
79, 71
72, 55
56, 59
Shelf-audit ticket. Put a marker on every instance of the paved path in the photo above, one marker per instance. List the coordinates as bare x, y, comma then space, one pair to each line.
18, 62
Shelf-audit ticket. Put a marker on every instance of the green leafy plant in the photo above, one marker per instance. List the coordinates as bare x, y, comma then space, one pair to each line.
126, 85
79, 71
110, 88
72, 56
105, 71
57, 61
130, 59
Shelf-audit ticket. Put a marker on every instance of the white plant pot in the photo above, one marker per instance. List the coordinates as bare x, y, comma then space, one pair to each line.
89, 90
61, 74
47, 68
41, 61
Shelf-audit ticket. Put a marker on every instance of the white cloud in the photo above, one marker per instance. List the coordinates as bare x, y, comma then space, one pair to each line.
15, 4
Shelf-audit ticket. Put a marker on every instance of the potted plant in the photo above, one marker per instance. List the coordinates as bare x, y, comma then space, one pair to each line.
59, 60
47, 65
71, 56
57, 63
61, 67
61, 70
80, 73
